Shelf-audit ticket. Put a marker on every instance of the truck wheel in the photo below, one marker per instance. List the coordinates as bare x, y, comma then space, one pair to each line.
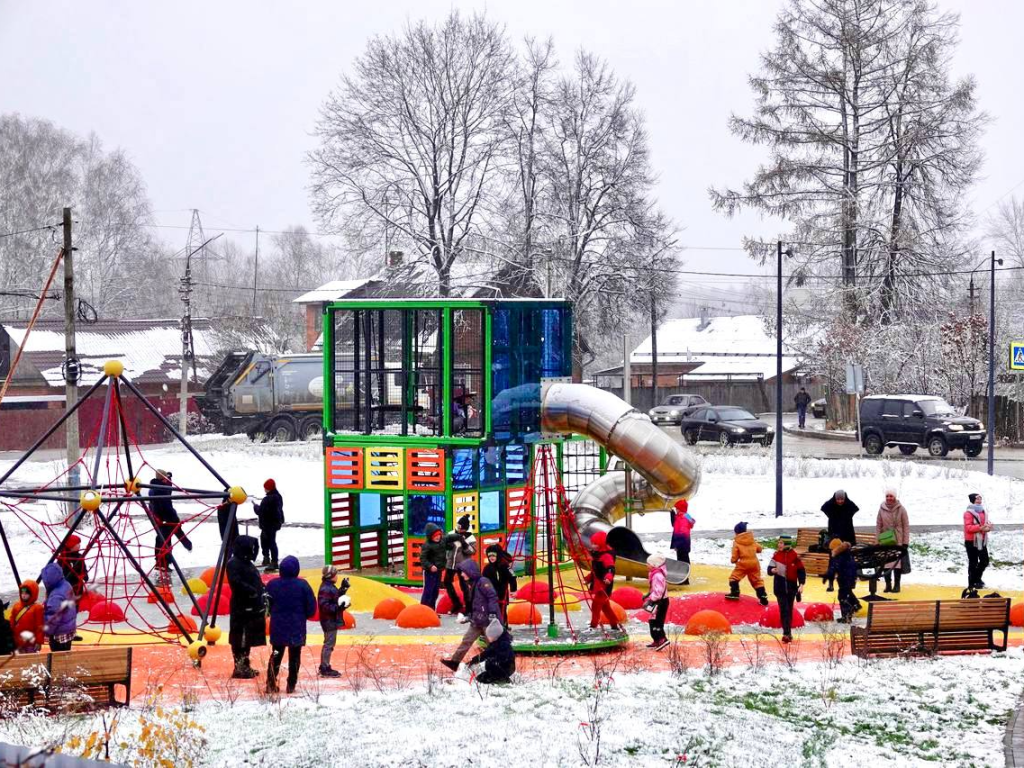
873, 444
937, 446
311, 428
281, 431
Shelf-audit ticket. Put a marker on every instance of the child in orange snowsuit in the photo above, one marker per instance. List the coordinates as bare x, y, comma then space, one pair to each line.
744, 556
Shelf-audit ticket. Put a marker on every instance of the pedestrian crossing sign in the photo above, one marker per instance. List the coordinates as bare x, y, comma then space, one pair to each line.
1017, 356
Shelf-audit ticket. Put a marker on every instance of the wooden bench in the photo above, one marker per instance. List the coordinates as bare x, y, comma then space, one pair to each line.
816, 563
84, 678
932, 626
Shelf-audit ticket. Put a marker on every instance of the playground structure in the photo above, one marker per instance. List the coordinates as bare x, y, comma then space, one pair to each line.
439, 408
125, 550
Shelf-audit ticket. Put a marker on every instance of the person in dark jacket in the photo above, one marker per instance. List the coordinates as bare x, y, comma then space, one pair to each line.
72, 563
60, 611
432, 559
789, 577
682, 524
270, 514
168, 525
223, 515
459, 545
248, 610
840, 511
332, 602
292, 604
498, 658
499, 572
601, 581
802, 400
482, 607
842, 567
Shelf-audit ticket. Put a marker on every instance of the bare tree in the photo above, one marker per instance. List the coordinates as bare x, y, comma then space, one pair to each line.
413, 136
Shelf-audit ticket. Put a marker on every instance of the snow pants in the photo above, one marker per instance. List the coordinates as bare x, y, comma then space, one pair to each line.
787, 599
431, 588
600, 602
657, 620
294, 658
752, 572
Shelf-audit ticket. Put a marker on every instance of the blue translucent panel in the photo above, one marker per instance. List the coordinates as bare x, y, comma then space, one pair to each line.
462, 468
490, 511
425, 509
371, 509
552, 348
516, 468
500, 327
520, 546
491, 466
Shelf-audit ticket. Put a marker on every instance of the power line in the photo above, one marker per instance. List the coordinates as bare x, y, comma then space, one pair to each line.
51, 227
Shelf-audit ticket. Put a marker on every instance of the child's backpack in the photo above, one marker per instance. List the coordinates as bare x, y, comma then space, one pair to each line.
822, 545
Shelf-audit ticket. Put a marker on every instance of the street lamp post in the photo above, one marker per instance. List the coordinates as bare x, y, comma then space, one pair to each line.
778, 382
992, 363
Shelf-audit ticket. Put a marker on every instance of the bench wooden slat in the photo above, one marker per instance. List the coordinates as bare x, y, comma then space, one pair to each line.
932, 626
93, 671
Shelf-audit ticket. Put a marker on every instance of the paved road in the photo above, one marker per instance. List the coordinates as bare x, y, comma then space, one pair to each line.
1009, 461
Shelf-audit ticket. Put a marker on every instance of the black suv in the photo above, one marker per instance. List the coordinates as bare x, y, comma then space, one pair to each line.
917, 421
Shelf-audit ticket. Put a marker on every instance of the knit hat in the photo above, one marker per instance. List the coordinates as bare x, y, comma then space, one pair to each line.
72, 543
269, 485
786, 539
328, 572
972, 497
599, 539
463, 523
656, 560
836, 546
840, 494
740, 528
682, 506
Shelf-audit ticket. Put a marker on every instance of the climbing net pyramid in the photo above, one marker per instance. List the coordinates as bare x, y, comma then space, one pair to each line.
544, 537
105, 502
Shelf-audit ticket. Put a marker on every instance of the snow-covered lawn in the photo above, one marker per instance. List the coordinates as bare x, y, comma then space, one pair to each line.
949, 711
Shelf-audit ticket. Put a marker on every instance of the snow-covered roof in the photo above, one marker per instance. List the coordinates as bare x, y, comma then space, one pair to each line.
332, 291
149, 349
737, 347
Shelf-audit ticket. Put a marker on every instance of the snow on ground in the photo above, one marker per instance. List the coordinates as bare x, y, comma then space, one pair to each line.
948, 711
733, 488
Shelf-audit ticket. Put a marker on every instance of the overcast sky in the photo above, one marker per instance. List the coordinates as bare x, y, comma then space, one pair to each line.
215, 101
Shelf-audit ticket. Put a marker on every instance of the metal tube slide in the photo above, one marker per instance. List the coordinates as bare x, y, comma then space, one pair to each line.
668, 471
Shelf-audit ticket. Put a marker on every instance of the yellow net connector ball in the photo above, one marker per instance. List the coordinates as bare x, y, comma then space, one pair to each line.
133, 486
113, 368
212, 634
90, 501
197, 650
237, 494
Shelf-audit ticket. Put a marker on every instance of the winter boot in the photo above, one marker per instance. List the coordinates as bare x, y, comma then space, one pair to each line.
734, 591
896, 576
243, 669
888, 581
831, 586
762, 595
451, 664
272, 568
329, 672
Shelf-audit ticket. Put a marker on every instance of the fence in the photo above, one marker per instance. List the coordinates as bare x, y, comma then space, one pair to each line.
757, 396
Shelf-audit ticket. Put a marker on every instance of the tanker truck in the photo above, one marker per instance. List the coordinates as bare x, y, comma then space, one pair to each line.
272, 397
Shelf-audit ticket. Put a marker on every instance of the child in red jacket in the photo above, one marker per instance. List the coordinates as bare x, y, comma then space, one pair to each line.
27, 619
789, 577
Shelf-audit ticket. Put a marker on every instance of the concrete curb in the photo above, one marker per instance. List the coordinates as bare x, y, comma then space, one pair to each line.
1013, 742
849, 437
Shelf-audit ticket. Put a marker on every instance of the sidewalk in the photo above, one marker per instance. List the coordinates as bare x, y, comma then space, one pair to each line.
821, 434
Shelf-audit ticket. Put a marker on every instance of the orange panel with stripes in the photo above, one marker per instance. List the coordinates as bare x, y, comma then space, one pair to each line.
413, 545
424, 469
345, 468
517, 507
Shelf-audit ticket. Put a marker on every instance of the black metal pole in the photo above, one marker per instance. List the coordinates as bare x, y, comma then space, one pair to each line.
550, 537
46, 435
10, 555
778, 387
163, 419
124, 428
218, 575
102, 438
992, 365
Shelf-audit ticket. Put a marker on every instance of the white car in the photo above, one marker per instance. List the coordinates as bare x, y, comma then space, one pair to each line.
675, 408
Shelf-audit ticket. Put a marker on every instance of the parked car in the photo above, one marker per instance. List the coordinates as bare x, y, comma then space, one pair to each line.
726, 425
910, 422
818, 408
675, 408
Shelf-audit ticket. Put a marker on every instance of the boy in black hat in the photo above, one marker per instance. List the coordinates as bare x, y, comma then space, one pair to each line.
460, 545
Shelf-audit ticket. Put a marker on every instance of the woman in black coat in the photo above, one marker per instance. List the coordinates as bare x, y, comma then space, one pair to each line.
840, 511
248, 613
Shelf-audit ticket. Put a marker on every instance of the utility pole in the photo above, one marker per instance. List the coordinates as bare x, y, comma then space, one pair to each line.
72, 369
778, 388
992, 364
255, 279
196, 243
654, 352
972, 294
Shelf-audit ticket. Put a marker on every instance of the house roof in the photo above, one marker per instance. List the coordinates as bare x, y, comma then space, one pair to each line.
738, 347
332, 291
149, 349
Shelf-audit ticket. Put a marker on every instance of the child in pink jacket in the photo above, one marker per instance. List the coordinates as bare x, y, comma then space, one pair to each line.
656, 601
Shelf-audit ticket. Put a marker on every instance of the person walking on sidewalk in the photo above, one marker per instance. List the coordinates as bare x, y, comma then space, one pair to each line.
292, 604
332, 602
656, 600
976, 530
270, 514
802, 400
789, 576
682, 524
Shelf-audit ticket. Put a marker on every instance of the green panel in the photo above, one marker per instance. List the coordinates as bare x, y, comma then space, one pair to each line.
486, 393
328, 383
446, 354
